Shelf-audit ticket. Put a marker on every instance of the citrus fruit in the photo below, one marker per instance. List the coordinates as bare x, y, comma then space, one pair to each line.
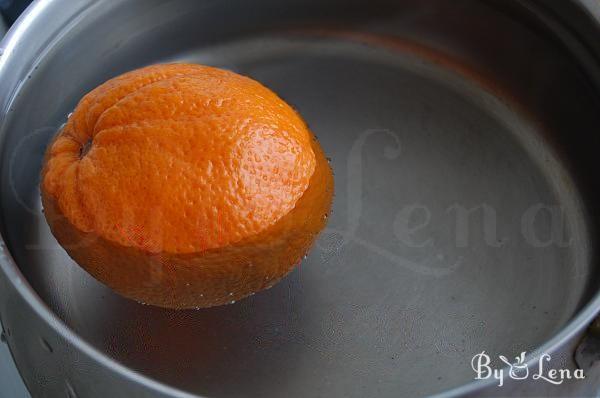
183, 186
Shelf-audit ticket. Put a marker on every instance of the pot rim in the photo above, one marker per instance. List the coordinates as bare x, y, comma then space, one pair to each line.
35, 14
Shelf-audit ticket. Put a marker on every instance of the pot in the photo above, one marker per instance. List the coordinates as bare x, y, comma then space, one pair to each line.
463, 137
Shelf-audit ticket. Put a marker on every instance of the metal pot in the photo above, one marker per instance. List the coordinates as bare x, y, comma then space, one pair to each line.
464, 140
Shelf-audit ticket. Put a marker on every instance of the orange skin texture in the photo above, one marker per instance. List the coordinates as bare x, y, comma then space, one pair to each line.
185, 186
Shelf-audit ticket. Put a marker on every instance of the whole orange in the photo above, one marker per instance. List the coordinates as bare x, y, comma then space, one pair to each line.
185, 186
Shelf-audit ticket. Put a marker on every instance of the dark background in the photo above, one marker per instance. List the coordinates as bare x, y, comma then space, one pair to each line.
11, 9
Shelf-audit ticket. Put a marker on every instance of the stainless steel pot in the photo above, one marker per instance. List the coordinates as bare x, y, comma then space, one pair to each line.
464, 139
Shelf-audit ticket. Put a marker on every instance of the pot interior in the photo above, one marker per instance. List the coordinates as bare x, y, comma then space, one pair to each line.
461, 134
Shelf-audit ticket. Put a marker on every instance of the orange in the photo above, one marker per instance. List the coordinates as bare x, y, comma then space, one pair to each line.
185, 186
